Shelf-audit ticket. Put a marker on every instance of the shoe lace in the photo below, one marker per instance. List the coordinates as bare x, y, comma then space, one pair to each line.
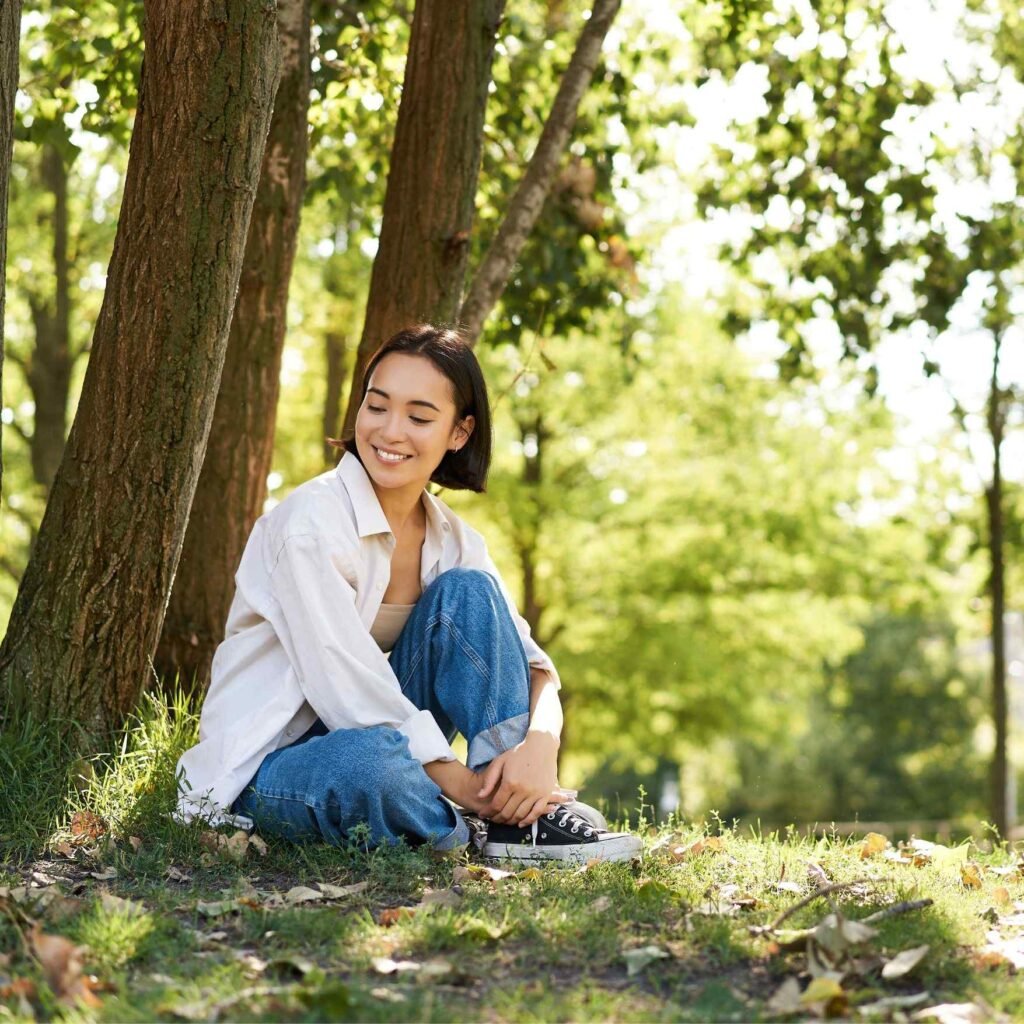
567, 817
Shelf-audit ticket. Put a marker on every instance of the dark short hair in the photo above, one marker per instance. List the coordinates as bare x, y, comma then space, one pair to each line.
466, 469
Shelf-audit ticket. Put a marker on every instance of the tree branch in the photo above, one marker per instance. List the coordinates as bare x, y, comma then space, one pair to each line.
525, 206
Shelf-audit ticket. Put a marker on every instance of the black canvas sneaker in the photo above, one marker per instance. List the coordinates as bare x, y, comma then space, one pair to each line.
559, 835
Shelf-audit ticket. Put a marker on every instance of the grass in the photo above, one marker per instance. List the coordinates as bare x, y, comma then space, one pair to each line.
548, 945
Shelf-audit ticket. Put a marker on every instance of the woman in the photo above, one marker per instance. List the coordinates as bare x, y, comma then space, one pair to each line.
369, 625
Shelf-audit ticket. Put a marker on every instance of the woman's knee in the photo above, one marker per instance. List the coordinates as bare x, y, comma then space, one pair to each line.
367, 758
462, 581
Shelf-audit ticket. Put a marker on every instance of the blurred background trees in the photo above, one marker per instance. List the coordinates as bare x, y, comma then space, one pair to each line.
748, 412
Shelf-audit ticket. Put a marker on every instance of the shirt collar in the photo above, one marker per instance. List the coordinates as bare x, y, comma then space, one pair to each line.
370, 518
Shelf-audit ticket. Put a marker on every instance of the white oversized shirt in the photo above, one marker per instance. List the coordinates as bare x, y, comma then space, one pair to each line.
297, 644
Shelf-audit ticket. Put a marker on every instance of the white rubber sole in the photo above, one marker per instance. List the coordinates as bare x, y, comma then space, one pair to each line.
615, 848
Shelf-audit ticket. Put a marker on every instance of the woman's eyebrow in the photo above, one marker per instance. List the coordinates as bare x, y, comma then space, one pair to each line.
414, 401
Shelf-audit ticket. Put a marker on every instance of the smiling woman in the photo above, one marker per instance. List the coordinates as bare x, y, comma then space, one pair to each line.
369, 626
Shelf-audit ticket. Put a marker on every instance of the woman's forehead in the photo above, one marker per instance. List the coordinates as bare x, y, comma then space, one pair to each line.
407, 377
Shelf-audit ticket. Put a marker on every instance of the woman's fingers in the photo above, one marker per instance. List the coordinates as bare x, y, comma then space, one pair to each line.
539, 807
523, 808
492, 774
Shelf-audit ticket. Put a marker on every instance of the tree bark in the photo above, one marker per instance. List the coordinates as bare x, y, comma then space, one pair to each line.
88, 614
525, 206
335, 345
1001, 812
429, 204
10, 31
50, 365
233, 483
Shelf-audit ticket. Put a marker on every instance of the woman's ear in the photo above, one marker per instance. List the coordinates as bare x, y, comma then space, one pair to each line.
462, 431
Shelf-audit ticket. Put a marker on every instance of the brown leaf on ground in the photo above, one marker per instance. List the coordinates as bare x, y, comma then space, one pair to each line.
392, 915
817, 875
874, 842
708, 844
337, 892
233, 847
960, 1013
177, 875
824, 997
1001, 895
135, 842
439, 898
904, 962
64, 849
480, 873
786, 999
61, 961
106, 874
86, 825
18, 988
116, 905
970, 875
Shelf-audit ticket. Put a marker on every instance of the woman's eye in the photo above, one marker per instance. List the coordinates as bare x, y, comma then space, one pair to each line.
418, 421
374, 408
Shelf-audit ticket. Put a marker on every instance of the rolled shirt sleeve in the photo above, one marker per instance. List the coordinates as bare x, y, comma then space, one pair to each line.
344, 675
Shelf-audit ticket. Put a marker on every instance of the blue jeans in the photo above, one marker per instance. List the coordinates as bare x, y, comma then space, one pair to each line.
460, 657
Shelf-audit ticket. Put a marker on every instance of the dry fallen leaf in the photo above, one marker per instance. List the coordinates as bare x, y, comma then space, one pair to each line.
337, 892
177, 875
105, 874
257, 844
233, 847
874, 842
61, 961
786, 999
392, 915
480, 873
385, 965
904, 962
86, 825
958, 1013
117, 905
970, 875
439, 898
1001, 895
638, 959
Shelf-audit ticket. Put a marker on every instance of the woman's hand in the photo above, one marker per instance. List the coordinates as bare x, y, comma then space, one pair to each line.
521, 784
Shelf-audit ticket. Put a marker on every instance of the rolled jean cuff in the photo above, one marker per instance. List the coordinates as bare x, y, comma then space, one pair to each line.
487, 745
459, 836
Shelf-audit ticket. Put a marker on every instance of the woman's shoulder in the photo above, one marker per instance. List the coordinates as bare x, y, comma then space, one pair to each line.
319, 507
463, 534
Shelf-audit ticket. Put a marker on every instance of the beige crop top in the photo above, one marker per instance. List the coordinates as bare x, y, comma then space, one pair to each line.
388, 624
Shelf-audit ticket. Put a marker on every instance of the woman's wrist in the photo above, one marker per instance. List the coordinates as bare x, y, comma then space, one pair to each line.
457, 782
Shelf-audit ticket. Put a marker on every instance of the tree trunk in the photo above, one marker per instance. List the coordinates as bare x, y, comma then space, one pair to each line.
429, 204
1001, 812
89, 610
526, 205
233, 484
49, 369
335, 345
10, 31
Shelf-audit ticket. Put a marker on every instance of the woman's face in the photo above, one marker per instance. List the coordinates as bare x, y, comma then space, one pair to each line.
408, 412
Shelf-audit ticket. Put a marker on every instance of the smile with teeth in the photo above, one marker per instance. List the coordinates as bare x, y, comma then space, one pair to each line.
390, 456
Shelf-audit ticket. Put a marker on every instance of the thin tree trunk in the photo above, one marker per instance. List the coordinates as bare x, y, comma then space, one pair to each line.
233, 484
89, 610
49, 370
429, 204
525, 206
335, 346
10, 31
1001, 812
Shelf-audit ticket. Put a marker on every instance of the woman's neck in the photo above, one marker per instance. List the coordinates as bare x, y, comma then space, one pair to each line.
402, 506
